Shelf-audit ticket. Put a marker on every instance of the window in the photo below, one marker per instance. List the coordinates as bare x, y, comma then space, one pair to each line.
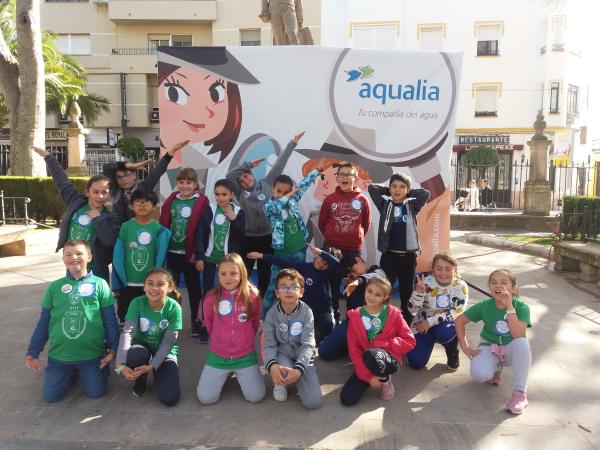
486, 100
431, 37
554, 97
488, 36
384, 36
181, 40
250, 37
558, 32
74, 44
573, 100
158, 40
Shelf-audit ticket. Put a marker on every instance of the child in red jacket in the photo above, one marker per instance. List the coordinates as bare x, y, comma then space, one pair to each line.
378, 336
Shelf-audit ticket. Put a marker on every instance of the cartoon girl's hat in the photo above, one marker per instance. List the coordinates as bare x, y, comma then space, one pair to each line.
216, 61
334, 148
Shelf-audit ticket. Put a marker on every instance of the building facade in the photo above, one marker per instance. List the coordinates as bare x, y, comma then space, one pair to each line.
116, 41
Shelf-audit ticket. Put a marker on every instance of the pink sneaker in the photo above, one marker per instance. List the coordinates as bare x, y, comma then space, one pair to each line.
497, 378
517, 403
387, 389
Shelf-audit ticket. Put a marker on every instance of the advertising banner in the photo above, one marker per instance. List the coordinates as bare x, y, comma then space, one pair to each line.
384, 111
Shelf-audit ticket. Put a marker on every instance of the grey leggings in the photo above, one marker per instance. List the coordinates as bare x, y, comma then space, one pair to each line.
309, 388
518, 355
212, 380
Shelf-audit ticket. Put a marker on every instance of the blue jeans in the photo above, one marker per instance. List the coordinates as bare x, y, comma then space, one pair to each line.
208, 277
443, 333
269, 297
60, 376
335, 345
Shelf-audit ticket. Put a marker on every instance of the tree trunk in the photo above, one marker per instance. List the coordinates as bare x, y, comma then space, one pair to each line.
23, 86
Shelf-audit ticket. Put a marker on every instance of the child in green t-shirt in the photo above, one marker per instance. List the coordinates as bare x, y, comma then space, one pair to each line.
78, 317
149, 339
503, 343
141, 245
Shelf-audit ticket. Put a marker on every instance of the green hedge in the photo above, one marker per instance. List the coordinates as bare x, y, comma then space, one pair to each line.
45, 199
571, 221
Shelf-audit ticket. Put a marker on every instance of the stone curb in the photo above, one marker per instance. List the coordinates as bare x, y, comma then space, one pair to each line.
493, 241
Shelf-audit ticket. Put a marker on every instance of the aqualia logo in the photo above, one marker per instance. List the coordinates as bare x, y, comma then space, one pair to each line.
418, 90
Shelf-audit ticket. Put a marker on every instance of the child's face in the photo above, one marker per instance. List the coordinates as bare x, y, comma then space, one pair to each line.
223, 195
126, 179
230, 276
143, 208
357, 270
346, 176
186, 187
471, 184
374, 295
76, 258
289, 291
398, 190
443, 271
498, 281
281, 189
246, 181
98, 194
157, 287
320, 263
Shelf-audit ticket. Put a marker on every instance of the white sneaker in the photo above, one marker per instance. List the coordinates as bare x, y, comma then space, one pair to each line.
280, 393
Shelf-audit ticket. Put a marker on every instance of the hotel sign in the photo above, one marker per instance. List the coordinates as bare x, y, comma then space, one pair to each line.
56, 135
495, 139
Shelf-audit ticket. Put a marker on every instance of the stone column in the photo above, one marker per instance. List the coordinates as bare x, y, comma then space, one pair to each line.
537, 187
76, 143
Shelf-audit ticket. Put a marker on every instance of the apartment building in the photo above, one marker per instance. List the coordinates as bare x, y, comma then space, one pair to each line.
116, 41
519, 56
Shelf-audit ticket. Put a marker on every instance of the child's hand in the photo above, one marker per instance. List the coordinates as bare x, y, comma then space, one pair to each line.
421, 287
129, 374
422, 327
178, 146
256, 162
297, 137
254, 255
138, 165
505, 298
34, 363
350, 288
93, 213
141, 370
199, 265
314, 250
107, 359
292, 376
277, 373
470, 352
375, 382
40, 151
228, 210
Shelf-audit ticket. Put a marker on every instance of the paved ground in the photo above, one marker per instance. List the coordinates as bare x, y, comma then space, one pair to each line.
433, 408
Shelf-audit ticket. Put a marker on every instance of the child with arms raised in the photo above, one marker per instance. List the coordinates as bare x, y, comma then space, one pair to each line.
149, 339
437, 300
232, 317
78, 317
378, 336
503, 343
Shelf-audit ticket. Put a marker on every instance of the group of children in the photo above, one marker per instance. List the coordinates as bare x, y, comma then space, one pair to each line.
194, 237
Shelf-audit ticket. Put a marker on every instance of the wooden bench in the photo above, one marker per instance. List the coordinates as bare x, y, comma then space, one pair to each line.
574, 256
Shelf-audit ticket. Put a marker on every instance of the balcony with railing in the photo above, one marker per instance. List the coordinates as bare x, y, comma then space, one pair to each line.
177, 11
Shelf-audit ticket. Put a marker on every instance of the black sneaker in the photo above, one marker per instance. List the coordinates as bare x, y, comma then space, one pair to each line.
453, 360
140, 387
203, 336
196, 327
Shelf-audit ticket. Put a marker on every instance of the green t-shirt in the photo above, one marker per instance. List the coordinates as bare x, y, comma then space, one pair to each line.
139, 241
373, 324
181, 211
151, 325
76, 329
220, 229
293, 240
218, 362
495, 324
81, 225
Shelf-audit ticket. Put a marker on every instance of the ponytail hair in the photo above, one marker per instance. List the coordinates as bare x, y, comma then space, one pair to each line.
174, 292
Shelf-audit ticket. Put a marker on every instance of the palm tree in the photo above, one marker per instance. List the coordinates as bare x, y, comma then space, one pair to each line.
65, 78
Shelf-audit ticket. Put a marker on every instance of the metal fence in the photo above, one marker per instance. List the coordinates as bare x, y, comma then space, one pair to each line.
95, 158
507, 181
13, 210
60, 151
581, 225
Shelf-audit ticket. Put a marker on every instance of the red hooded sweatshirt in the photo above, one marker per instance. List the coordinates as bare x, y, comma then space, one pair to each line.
345, 218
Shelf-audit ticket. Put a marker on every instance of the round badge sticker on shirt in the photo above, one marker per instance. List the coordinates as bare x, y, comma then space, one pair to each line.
397, 212
442, 300
309, 281
84, 220
66, 288
367, 322
86, 289
296, 328
261, 197
356, 204
502, 327
376, 322
243, 317
225, 307
220, 219
144, 238
163, 324
186, 211
283, 327
144, 325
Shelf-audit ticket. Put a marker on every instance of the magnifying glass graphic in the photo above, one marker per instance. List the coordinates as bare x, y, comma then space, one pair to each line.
408, 105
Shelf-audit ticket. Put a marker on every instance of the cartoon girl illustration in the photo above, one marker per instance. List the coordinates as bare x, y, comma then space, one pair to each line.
199, 98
